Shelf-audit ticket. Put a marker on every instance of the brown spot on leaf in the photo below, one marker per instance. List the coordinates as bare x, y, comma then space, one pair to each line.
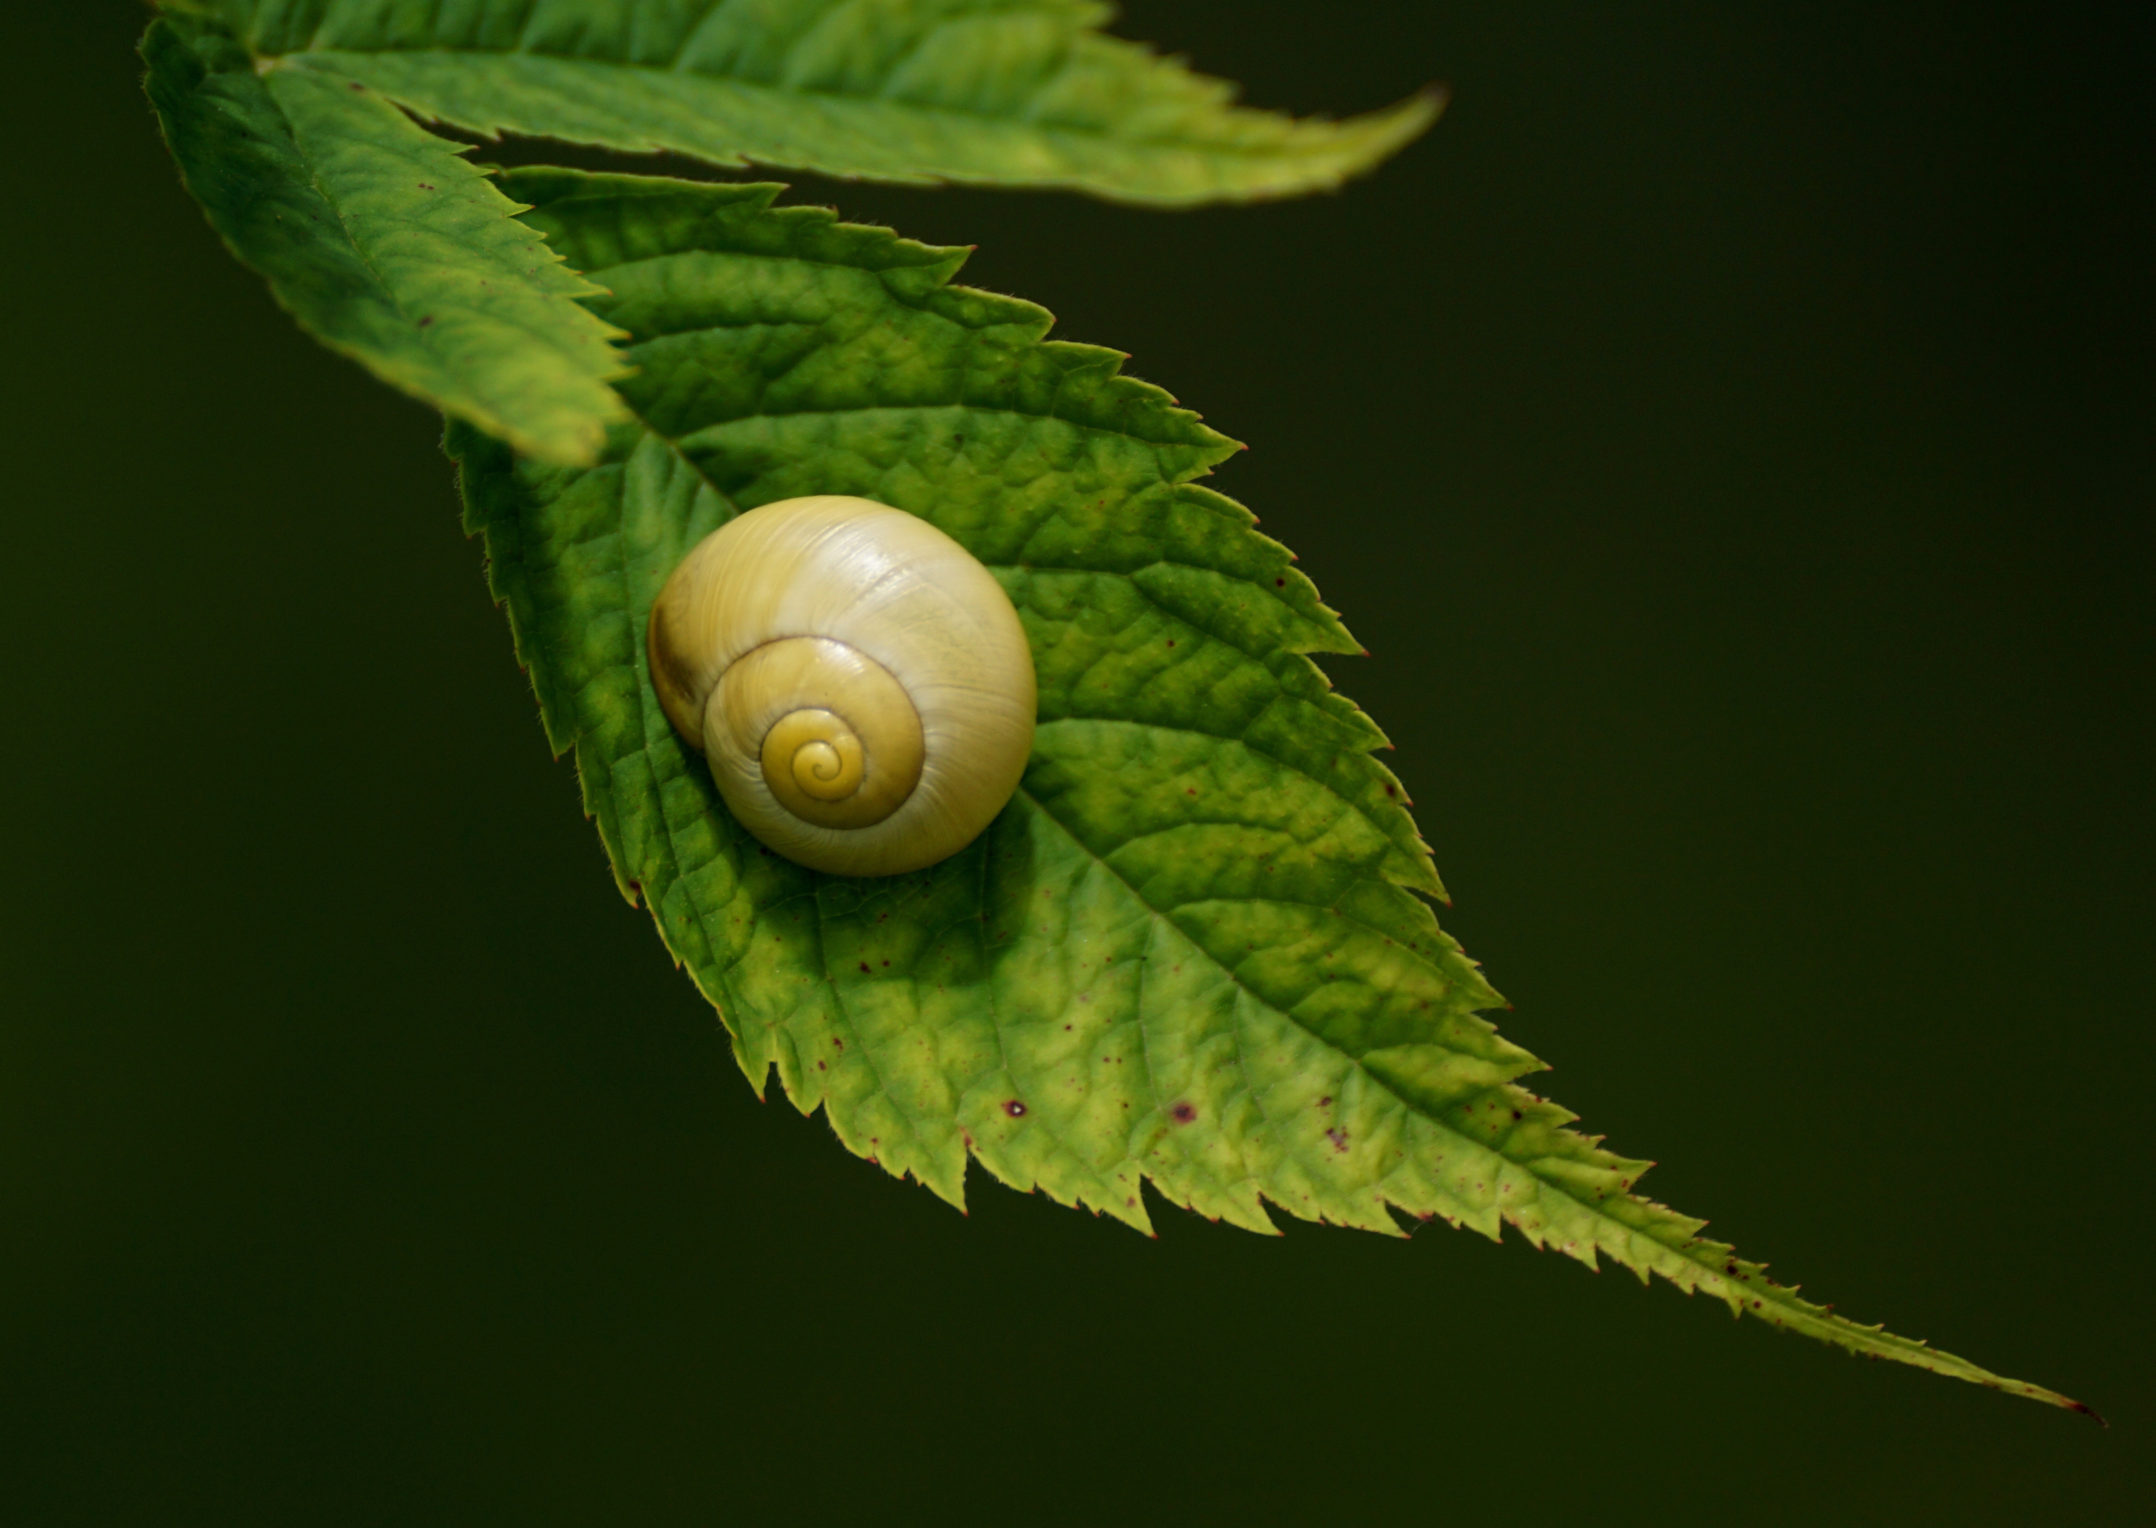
1184, 1112
1014, 1108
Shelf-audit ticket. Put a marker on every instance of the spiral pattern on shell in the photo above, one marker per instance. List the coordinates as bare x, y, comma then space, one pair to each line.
859, 684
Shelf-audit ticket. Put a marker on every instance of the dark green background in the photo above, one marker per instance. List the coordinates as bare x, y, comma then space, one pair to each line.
1730, 433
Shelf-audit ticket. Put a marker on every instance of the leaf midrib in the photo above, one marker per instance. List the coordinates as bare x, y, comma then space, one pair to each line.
382, 284
1328, 134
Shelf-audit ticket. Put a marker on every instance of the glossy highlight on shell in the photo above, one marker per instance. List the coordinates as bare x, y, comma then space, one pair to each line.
859, 684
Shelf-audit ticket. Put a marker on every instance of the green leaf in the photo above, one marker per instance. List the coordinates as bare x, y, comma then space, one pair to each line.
385, 244
995, 92
1191, 951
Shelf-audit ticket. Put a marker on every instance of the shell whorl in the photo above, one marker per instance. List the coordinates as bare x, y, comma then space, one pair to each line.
859, 684
840, 742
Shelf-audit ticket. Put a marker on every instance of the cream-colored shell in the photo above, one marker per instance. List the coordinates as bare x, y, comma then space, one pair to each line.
859, 684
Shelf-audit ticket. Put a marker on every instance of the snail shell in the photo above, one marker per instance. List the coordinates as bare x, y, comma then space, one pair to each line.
860, 684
